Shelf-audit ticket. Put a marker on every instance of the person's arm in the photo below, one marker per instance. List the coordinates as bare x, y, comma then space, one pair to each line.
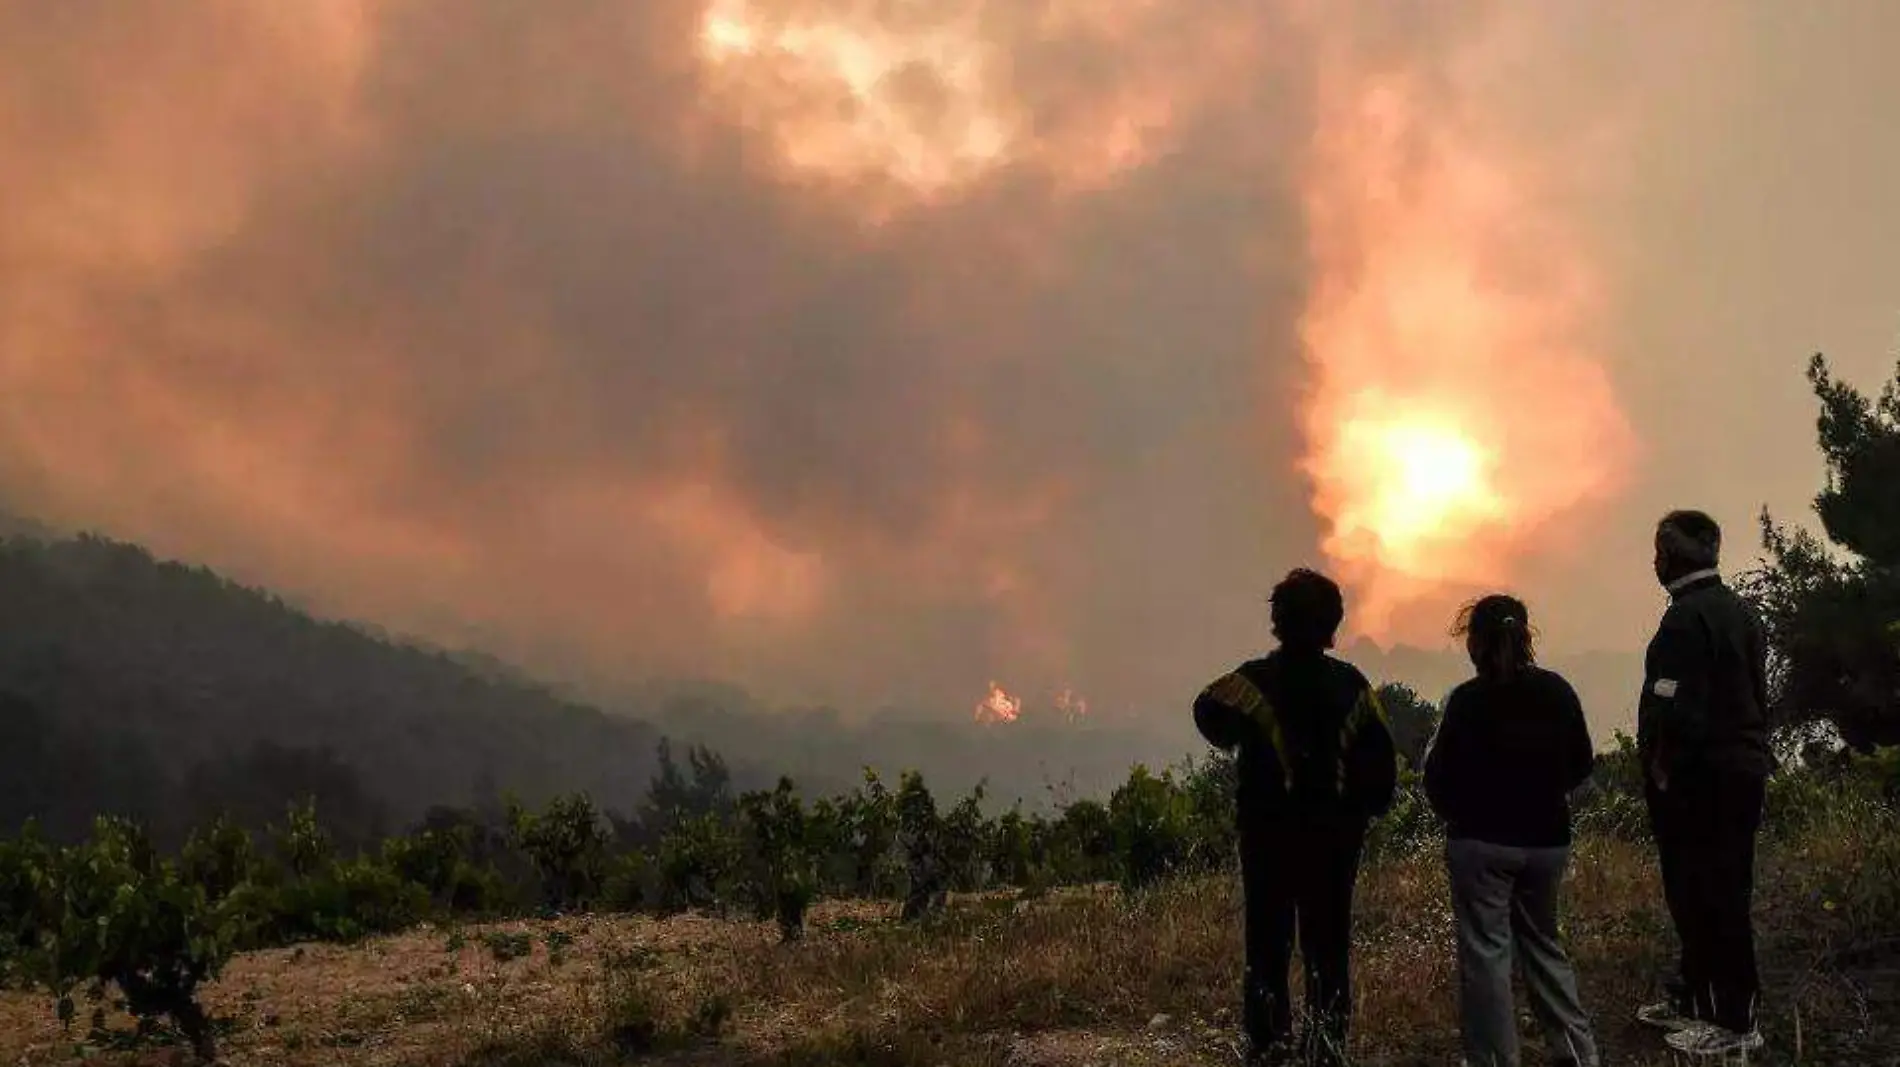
1372, 759
1579, 752
1222, 710
1445, 759
1679, 683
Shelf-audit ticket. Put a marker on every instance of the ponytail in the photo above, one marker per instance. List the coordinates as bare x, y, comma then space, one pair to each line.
1511, 651
1498, 628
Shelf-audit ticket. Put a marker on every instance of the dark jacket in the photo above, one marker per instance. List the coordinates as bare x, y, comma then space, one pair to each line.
1309, 736
1506, 757
1704, 706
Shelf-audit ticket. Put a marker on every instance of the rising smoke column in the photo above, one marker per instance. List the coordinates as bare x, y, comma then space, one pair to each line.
1458, 412
861, 352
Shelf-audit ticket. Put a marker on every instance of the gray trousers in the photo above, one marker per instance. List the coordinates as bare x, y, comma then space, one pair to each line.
1505, 900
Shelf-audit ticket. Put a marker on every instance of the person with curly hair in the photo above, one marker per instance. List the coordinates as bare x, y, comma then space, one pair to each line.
1315, 764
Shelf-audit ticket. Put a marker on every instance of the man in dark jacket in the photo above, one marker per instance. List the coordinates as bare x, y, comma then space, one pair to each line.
1702, 734
1315, 764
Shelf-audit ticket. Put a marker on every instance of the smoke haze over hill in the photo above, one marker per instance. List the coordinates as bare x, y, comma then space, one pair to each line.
860, 354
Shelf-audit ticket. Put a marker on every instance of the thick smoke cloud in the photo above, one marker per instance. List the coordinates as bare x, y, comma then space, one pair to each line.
625, 346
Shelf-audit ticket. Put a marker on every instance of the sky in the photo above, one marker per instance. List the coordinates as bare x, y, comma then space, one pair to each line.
866, 352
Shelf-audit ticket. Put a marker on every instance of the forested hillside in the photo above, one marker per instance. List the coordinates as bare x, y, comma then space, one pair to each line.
167, 692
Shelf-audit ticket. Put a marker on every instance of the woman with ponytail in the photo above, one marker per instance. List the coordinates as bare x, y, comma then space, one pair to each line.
1511, 747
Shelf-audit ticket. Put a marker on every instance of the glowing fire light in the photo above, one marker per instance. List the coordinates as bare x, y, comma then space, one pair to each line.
1458, 408
999, 706
1405, 482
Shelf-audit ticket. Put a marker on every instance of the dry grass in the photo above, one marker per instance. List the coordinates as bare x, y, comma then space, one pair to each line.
1078, 977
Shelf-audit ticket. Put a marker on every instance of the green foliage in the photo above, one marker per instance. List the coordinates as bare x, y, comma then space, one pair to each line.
302, 843
220, 859
1152, 820
1210, 786
867, 825
506, 945
1409, 825
782, 845
697, 864
704, 788
1083, 846
921, 839
1833, 609
112, 913
1611, 804
568, 843
1413, 720
963, 837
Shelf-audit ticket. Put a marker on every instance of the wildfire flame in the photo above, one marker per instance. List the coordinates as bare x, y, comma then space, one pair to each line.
1457, 407
998, 706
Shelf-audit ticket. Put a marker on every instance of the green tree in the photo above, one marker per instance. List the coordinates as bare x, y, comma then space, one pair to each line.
568, 844
1153, 822
781, 857
923, 840
703, 787
1832, 608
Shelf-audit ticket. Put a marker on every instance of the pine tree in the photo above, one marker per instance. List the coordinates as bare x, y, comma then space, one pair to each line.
1832, 607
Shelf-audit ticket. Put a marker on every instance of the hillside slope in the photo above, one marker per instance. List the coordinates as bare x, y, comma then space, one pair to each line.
162, 690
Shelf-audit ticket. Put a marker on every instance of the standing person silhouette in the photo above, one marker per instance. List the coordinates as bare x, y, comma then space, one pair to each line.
1511, 747
1316, 763
1702, 735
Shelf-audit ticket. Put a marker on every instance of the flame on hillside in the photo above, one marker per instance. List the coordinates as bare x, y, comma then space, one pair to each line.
1001, 706
998, 706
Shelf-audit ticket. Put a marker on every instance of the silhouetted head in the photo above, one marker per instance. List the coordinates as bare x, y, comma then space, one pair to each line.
1498, 635
1307, 610
1686, 542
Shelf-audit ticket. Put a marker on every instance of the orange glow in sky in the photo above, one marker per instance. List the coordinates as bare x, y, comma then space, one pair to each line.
1456, 408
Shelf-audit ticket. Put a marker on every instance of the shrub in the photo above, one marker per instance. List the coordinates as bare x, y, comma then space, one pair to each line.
1410, 824
697, 862
781, 857
1152, 822
568, 845
111, 912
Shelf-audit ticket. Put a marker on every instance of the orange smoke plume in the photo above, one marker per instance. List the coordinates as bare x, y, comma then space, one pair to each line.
1457, 408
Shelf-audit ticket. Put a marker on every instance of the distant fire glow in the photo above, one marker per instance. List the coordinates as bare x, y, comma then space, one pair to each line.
998, 706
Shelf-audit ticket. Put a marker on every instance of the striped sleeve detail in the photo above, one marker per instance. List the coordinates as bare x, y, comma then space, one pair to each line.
1365, 710
1234, 690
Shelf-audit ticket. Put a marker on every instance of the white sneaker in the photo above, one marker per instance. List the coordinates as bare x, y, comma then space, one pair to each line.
1715, 1042
1665, 1015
